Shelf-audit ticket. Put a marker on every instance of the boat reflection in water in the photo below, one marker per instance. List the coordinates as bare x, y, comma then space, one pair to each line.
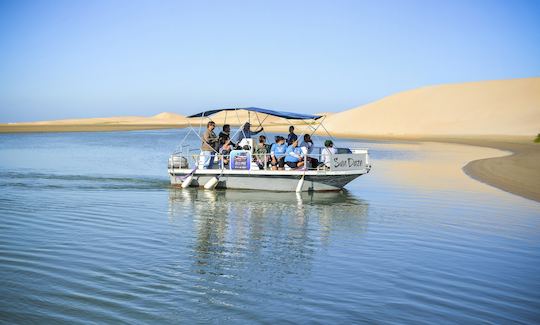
263, 236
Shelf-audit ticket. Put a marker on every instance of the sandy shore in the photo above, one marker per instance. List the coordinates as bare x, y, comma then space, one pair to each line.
517, 173
119, 123
16, 128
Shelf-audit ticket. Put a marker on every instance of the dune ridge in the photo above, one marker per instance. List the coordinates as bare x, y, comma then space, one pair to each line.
118, 123
500, 107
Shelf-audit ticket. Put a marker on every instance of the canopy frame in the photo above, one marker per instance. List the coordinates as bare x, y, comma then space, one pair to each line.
285, 115
282, 114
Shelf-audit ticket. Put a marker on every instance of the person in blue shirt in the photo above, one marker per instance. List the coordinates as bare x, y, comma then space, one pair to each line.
294, 157
277, 153
291, 137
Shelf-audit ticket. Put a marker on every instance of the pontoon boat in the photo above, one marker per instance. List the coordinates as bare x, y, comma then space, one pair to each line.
240, 172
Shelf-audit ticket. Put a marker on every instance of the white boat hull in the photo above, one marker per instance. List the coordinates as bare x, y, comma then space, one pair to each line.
269, 180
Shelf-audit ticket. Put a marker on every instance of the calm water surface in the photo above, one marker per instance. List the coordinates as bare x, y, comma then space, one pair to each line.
91, 232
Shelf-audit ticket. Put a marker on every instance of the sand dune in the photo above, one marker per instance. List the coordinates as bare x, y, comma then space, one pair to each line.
118, 123
169, 118
85, 121
503, 107
164, 118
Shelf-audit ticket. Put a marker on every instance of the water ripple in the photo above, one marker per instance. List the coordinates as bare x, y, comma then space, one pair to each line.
81, 246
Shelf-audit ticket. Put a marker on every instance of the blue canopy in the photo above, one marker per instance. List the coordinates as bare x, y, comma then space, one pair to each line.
287, 115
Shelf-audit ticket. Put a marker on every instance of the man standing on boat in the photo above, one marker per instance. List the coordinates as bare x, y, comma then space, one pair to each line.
209, 145
291, 137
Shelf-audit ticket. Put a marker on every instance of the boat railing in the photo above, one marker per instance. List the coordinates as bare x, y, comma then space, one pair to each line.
345, 159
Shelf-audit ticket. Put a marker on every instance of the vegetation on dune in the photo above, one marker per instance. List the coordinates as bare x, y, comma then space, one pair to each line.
537, 140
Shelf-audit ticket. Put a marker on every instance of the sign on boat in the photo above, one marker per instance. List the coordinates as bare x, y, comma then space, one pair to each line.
325, 168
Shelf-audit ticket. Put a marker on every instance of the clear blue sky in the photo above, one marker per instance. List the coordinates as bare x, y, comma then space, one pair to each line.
64, 59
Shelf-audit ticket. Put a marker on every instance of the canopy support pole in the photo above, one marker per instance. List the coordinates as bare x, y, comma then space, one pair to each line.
241, 125
260, 123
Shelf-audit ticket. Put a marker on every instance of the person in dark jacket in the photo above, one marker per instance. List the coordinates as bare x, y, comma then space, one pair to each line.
291, 137
225, 134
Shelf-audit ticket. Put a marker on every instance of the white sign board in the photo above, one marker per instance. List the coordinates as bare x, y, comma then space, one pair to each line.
348, 162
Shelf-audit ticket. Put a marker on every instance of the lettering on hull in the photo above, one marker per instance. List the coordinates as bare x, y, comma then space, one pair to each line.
348, 162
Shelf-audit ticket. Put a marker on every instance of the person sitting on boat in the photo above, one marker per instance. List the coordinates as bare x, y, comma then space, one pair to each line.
307, 149
294, 157
327, 152
277, 153
261, 150
225, 149
225, 132
247, 133
209, 145
291, 137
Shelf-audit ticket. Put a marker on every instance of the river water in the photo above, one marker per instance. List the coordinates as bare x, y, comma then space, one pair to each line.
91, 232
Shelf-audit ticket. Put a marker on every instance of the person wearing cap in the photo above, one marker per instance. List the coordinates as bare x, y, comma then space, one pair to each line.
327, 152
277, 153
261, 150
247, 133
294, 157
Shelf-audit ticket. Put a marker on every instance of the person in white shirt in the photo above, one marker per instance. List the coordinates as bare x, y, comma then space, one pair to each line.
307, 148
327, 153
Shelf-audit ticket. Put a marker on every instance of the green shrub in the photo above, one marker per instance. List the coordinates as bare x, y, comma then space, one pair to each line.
537, 140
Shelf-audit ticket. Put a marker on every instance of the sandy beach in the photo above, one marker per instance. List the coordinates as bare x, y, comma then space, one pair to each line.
517, 172
119, 123
163, 120
19, 128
